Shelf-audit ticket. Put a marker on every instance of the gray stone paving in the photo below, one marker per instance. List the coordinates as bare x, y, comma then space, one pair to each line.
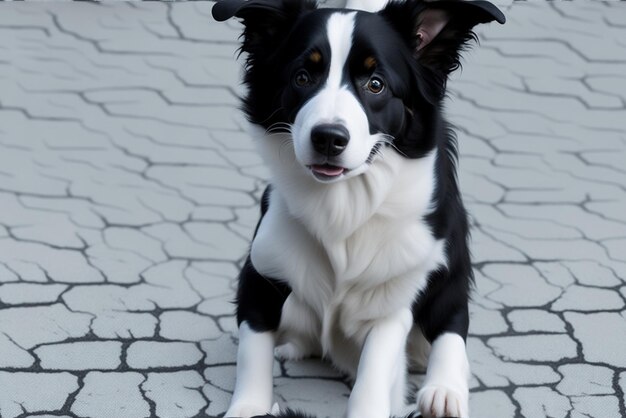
129, 191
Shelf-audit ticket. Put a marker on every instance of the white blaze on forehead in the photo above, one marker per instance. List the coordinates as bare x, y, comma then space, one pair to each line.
335, 103
339, 29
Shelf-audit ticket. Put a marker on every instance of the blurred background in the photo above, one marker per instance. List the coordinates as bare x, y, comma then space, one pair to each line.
129, 191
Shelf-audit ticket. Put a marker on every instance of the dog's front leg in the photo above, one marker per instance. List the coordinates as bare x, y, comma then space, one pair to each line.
445, 391
255, 361
379, 389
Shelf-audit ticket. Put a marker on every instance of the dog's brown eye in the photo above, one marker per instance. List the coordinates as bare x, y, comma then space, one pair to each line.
375, 85
302, 78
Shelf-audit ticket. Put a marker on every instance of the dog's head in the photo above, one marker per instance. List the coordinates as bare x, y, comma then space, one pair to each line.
345, 83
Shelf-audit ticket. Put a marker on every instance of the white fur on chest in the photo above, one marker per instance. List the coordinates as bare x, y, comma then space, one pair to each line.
354, 251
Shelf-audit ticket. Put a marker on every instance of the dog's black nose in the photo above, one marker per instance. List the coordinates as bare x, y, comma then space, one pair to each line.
330, 139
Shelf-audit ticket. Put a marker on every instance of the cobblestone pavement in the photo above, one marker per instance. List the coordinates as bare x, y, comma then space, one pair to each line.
129, 190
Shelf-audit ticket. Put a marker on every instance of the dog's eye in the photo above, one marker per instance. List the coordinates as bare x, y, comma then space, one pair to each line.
375, 85
302, 78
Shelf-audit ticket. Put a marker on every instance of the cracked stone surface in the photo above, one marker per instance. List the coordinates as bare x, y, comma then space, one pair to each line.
111, 395
129, 192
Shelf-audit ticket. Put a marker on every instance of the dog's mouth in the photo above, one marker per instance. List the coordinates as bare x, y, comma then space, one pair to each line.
327, 172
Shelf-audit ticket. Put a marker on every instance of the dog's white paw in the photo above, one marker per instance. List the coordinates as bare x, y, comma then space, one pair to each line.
434, 401
241, 410
290, 351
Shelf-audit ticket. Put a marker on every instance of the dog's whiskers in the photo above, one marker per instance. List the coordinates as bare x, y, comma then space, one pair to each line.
387, 139
279, 127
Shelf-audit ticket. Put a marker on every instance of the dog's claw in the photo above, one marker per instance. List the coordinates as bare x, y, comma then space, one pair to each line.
434, 401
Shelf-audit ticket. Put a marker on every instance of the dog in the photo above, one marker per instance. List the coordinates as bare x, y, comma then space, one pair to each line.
361, 251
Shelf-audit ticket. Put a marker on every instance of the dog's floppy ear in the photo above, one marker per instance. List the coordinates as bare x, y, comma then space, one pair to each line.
264, 20
444, 27
438, 31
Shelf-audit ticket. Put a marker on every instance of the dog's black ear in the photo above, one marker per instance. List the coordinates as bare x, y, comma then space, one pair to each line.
445, 27
264, 20
439, 31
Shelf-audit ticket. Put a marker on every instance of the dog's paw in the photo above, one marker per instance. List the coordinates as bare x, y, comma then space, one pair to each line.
434, 401
290, 351
242, 410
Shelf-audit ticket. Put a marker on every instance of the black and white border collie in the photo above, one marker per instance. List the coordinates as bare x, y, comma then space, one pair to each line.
361, 253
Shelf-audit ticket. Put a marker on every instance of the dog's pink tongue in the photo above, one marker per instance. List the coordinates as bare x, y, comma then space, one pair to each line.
327, 170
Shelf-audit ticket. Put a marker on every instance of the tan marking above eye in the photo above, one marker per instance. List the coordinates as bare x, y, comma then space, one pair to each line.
315, 57
370, 62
